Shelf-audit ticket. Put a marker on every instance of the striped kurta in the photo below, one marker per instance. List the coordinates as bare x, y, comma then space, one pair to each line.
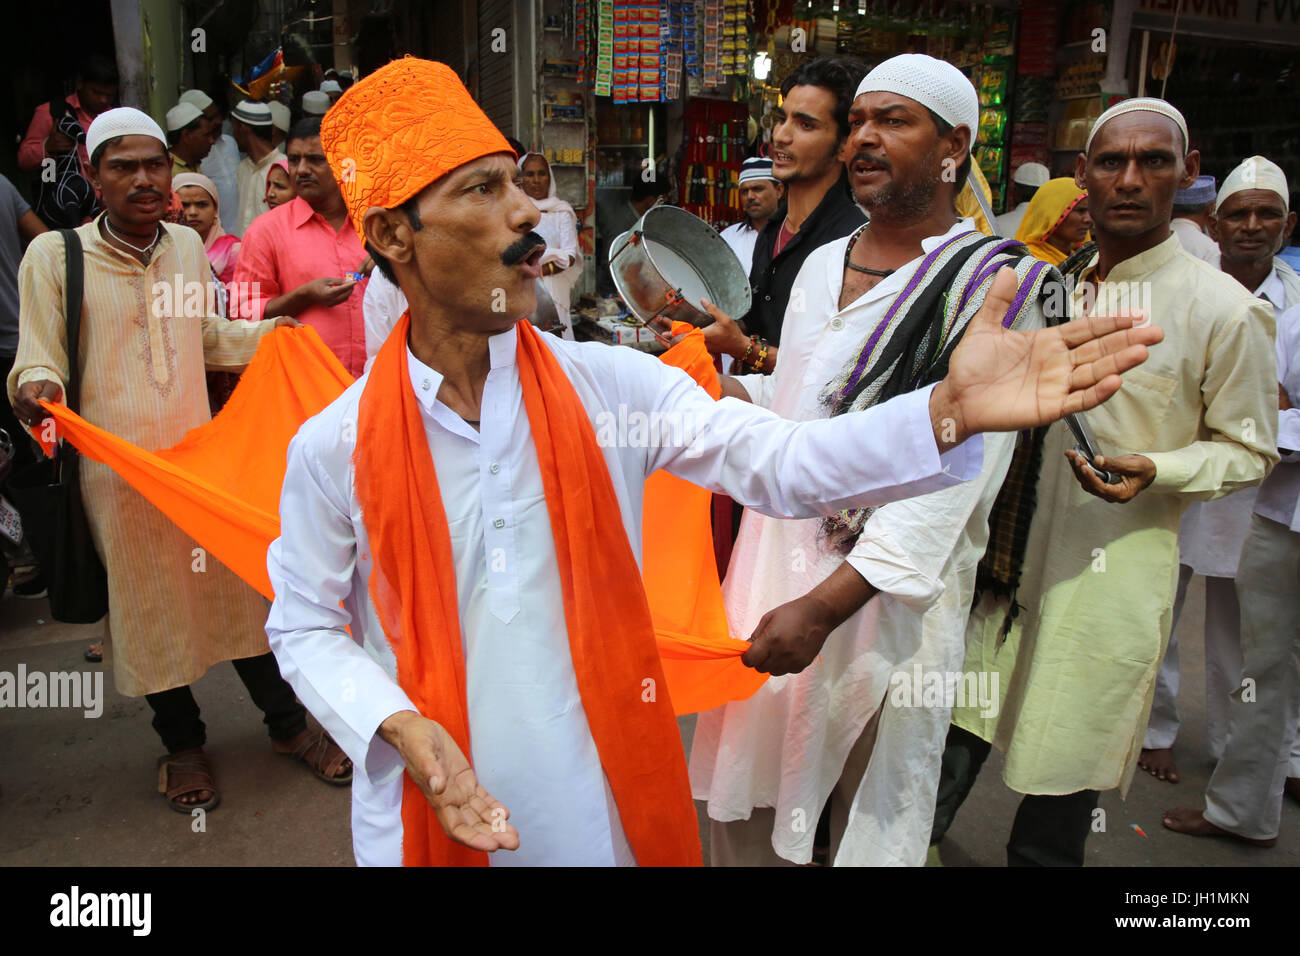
174, 611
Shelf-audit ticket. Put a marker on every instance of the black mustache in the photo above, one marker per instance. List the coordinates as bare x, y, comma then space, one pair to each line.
145, 193
873, 160
521, 247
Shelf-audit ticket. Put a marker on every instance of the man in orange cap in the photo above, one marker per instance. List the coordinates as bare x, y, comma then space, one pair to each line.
457, 572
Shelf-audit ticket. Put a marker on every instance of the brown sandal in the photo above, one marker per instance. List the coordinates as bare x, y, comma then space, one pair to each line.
325, 758
186, 771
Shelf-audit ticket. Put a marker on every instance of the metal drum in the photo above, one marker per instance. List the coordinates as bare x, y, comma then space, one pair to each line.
670, 260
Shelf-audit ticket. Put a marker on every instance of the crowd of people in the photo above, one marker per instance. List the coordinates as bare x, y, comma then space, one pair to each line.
457, 593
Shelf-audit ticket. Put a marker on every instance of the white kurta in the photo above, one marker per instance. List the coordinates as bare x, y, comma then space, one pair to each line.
786, 746
1195, 241
740, 239
530, 744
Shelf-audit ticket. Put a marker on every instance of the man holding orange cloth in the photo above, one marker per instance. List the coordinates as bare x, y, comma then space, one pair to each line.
458, 567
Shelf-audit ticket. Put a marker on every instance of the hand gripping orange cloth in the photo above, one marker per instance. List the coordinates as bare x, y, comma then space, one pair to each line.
610, 632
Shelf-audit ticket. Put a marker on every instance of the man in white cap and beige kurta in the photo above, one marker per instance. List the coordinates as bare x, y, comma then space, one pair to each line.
1252, 223
253, 126
141, 377
855, 615
222, 162
1073, 612
1024, 183
189, 137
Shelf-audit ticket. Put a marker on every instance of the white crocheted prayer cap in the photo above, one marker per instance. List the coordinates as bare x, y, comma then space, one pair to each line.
123, 121
197, 97
1139, 104
1255, 173
182, 115
331, 86
935, 84
281, 117
1031, 174
315, 103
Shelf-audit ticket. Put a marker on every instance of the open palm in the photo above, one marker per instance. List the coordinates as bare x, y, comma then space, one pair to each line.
467, 813
1003, 380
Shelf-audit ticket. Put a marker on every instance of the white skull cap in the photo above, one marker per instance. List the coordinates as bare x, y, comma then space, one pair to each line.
1140, 104
1255, 173
122, 121
935, 84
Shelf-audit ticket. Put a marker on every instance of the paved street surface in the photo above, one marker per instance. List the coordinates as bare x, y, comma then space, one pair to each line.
83, 792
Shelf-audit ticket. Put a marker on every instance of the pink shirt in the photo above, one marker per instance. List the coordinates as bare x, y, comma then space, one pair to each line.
292, 245
32, 149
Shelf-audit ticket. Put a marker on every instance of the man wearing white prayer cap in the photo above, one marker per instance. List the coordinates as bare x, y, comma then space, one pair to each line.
1241, 543
189, 137
141, 375
1024, 183
868, 596
316, 103
332, 89
253, 128
1075, 626
1253, 222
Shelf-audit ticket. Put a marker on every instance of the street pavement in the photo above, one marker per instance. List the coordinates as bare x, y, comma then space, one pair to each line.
78, 791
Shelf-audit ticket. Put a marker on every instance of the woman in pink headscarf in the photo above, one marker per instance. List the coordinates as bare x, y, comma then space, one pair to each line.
198, 196
279, 187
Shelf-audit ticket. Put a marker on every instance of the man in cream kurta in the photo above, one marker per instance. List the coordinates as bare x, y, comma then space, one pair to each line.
1078, 667
142, 378
148, 333
785, 747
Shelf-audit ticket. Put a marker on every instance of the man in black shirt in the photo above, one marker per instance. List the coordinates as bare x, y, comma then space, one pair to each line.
808, 143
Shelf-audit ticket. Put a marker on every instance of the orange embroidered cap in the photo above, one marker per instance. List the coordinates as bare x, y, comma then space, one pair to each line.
405, 125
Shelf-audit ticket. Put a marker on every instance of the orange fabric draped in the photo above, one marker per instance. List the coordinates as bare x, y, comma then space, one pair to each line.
611, 636
221, 485
700, 659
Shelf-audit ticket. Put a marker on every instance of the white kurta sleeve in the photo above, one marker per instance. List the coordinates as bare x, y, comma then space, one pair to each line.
801, 469
310, 567
905, 546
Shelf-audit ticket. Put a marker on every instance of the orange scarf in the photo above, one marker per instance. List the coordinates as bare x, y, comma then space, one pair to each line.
612, 638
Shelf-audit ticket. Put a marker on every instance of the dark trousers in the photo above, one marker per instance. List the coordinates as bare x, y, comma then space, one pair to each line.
176, 712
1048, 830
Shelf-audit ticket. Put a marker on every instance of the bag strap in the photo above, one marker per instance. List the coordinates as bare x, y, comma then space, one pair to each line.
73, 290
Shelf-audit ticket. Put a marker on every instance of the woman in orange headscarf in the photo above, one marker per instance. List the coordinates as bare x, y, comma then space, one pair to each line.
1056, 222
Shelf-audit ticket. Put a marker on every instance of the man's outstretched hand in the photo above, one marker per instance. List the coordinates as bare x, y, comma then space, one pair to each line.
468, 813
1001, 380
